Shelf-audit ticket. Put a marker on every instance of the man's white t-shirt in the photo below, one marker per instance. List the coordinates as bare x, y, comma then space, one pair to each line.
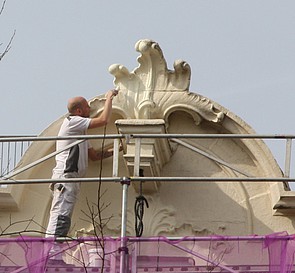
75, 159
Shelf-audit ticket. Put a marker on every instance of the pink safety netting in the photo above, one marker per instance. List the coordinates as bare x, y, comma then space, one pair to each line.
271, 253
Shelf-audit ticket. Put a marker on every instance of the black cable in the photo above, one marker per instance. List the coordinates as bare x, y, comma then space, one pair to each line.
139, 209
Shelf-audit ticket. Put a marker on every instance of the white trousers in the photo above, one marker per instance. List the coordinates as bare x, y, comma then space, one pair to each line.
64, 198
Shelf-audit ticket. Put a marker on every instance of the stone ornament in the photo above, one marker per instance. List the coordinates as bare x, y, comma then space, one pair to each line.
146, 92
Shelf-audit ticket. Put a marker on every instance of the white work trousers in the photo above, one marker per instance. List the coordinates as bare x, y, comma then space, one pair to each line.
64, 199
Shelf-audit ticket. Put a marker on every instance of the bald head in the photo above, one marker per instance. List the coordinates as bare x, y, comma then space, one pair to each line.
78, 106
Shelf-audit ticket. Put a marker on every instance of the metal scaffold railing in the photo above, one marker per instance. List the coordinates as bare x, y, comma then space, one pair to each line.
14, 147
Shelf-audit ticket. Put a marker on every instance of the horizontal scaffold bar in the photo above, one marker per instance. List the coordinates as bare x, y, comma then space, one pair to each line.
113, 136
148, 179
151, 239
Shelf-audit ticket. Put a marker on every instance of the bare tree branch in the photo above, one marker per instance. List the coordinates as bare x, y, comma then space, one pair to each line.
2, 7
12, 224
8, 47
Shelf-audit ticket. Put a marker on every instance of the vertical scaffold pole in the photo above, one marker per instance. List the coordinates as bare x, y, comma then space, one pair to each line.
125, 181
288, 157
116, 157
137, 157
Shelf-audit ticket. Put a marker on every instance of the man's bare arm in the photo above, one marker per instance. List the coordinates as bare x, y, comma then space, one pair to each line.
105, 116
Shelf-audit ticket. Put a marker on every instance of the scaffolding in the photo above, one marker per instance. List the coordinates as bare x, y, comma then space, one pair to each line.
128, 256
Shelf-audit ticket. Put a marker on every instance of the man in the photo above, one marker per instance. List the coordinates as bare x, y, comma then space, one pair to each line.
73, 162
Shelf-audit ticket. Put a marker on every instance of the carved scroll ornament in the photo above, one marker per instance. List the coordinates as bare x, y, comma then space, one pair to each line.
152, 91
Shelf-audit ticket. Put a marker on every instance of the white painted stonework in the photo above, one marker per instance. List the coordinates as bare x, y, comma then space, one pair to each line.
152, 99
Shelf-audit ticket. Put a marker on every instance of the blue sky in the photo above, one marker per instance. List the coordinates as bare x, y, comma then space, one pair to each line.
241, 54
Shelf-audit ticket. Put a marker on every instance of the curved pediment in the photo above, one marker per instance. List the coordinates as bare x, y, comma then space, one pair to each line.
155, 99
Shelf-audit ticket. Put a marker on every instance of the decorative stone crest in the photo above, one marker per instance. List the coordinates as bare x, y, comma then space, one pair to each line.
146, 92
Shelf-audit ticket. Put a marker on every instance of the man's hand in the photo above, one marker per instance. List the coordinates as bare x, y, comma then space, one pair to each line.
94, 155
106, 154
112, 93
